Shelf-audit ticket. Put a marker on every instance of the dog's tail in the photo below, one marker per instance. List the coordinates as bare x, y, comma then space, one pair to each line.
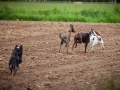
61, 39
60, 35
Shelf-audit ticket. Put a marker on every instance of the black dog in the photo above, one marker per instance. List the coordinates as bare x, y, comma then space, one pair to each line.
16, 59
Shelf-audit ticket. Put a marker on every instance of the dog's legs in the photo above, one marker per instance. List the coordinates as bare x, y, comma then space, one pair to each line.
61, 43
11, 71
91, 38
60, 48
10, 67
91, 49
80, 38
15, 71
91, 43
86, 46
73, 46
67, 48
95, 42
67, 44
92, 46
102, 44
76, 45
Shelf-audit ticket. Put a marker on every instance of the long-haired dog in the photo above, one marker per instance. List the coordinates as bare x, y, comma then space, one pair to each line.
95, 39
16, 59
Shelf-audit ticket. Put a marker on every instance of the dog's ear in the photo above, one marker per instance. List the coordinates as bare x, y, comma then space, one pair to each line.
14, 50
16, 46
21, 48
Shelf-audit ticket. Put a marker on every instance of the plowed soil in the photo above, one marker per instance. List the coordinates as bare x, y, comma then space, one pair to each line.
43, 68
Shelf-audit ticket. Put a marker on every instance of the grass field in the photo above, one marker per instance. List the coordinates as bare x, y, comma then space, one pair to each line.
68, 12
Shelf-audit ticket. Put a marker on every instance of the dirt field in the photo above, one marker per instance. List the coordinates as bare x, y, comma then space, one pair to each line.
43, 68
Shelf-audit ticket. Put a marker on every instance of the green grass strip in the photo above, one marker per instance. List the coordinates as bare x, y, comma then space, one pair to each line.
67, 12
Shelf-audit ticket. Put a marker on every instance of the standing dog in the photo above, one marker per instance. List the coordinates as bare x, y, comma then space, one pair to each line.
95, 38
81, 38
65, 38
16, 59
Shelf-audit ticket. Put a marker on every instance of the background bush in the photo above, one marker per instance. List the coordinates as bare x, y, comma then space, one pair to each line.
86, 12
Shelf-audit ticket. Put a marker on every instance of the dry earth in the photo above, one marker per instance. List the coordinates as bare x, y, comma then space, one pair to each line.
43, 68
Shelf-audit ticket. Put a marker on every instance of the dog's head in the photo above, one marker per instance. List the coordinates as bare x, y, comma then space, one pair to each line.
71, 28
18, 50
91, 33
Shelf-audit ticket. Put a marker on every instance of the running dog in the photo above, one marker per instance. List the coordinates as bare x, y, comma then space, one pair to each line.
16, 59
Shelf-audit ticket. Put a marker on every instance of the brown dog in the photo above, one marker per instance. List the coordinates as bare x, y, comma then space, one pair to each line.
81, 38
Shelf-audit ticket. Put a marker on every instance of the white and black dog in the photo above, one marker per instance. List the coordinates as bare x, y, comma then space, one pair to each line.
16, 59
95, 38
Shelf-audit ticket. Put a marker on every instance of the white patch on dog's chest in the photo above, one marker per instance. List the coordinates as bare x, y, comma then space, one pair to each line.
18, 47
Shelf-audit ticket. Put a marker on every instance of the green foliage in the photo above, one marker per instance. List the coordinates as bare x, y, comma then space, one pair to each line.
109, 85
60, 12
4, 11
117, 10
